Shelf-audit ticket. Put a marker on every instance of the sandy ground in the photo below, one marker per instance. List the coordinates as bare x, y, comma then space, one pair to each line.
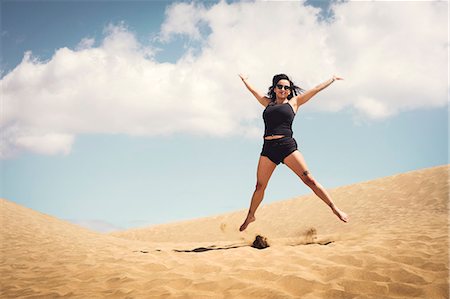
395, 246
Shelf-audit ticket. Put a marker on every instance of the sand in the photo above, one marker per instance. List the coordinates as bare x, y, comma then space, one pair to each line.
395, 246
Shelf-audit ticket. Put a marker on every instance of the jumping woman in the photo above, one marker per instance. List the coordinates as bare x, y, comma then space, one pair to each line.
281, 104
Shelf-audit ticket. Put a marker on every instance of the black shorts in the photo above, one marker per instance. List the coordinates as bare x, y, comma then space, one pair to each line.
278, 149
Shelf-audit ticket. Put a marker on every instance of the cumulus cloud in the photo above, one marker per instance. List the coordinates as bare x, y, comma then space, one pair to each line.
390, 62
182, 18
85, 43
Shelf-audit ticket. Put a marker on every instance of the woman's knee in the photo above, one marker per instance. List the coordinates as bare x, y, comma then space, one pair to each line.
308, 179
260, 186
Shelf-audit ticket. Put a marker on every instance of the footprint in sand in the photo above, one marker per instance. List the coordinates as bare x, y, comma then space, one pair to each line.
310, 235
223, 226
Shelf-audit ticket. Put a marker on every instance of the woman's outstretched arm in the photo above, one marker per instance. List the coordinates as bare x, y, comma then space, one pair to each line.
305, 97
260, 97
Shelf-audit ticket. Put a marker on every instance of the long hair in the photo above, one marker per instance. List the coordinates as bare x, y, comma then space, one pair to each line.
295, 90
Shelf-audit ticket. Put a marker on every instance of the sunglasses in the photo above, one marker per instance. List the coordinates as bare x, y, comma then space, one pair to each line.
286, 87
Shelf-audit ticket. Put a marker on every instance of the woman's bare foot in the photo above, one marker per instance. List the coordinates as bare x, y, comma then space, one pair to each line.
341, 215
247, 221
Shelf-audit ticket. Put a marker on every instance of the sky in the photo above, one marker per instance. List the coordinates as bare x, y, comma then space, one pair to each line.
124, 114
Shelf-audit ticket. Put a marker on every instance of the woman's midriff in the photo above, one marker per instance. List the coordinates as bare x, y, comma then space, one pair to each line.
274, 137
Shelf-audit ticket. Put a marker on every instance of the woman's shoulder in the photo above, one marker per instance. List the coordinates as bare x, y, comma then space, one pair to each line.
268, 102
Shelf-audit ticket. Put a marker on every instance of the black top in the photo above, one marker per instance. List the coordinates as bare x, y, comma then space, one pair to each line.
278, 119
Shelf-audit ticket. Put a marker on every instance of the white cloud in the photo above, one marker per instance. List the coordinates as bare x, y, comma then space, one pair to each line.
46, 143
85, 43
390, 62
182, 18
372, 108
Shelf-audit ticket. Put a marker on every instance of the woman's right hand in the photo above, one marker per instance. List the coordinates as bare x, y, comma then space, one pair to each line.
259, 96
243, 77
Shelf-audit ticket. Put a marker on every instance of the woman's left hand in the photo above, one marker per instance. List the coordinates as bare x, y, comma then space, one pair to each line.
337, 78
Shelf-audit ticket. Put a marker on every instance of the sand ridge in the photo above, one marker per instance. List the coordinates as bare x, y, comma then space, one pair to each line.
395, 246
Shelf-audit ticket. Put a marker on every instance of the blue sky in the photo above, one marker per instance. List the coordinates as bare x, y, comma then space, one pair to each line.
127, 114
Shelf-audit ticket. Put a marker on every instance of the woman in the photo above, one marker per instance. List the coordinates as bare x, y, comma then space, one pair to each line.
283, 101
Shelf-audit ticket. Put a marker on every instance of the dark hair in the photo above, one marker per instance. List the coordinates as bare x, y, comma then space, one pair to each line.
295, 90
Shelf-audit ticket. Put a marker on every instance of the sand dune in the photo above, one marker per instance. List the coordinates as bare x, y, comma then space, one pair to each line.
395, 246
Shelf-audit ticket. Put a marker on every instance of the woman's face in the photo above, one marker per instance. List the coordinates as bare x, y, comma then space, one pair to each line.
282, 89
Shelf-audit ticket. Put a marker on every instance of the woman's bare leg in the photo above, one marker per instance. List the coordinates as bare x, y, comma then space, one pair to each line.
263, 174
296, 163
